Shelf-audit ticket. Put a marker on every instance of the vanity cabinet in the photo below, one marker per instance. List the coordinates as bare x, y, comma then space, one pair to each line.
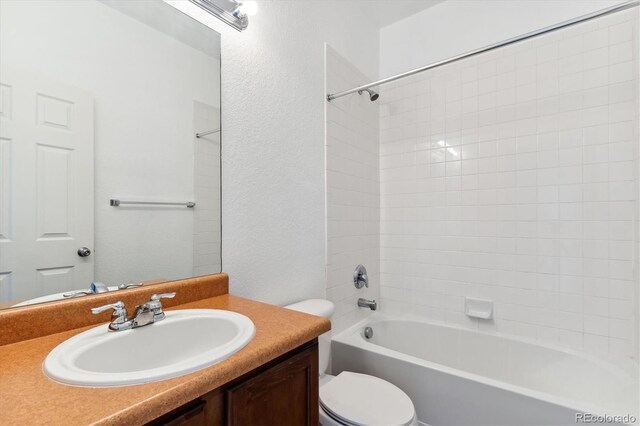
282, 392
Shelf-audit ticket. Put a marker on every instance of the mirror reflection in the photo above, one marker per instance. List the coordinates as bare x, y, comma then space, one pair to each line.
109, 148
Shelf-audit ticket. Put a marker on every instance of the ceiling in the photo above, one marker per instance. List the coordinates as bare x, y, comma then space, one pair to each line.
387, 12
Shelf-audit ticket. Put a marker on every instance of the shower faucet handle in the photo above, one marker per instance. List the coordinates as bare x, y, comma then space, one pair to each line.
360, 277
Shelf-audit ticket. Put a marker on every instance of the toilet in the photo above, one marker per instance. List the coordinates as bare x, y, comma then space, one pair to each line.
354, 399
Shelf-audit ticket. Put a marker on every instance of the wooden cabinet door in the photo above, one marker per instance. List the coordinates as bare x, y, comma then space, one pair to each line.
285, 394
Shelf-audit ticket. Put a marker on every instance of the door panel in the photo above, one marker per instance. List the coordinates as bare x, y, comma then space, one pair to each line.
5, 285
5, 188
5, 101
55, 192
55, 279
54, 112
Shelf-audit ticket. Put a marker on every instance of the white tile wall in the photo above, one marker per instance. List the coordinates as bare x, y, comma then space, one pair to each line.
206, 176
353, 195
513, 176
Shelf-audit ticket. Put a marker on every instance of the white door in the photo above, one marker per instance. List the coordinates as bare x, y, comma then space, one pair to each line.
46, 186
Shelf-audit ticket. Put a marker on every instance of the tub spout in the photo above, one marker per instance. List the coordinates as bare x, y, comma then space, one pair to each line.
365, 303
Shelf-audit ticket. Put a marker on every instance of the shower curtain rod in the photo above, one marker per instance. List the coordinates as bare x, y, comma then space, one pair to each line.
583, 18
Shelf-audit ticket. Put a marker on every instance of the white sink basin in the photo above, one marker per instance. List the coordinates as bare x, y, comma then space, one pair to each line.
185, 341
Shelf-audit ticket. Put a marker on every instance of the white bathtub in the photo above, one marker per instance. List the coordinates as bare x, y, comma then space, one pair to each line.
460, 377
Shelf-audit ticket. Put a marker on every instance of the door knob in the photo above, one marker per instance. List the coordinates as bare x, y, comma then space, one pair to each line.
84, 252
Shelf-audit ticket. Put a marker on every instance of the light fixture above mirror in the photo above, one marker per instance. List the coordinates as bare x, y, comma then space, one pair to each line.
232, 12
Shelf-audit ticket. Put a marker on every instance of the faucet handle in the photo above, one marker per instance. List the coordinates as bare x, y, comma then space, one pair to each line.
117, 307
155, 305
77, 293
119, 319
129, 285
157, 297
360, 277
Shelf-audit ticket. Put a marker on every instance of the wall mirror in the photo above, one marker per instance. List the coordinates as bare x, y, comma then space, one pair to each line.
109, 147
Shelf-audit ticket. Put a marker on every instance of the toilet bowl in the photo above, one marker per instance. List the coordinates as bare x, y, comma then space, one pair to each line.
353, 398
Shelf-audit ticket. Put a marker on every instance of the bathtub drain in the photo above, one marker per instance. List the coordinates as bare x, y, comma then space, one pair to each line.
368, 332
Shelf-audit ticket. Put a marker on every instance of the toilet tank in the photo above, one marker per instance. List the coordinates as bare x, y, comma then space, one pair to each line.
321, 308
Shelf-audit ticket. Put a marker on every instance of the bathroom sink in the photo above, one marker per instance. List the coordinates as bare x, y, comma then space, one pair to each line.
185, 341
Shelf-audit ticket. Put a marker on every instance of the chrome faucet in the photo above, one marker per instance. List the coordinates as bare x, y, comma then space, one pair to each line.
146, 314
365, 303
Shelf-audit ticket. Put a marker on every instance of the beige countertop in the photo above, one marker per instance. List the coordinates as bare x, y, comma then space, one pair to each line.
28, 396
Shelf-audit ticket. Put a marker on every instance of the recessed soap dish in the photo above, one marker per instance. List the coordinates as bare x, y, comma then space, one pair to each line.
478, 308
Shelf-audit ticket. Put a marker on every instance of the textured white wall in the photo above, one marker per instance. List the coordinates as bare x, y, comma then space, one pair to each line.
273, 101
457, 26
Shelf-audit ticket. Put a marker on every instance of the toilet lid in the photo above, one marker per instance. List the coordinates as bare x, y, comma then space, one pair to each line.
360, 399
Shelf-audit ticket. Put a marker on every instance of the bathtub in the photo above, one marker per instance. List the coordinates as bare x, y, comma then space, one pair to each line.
457, 376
